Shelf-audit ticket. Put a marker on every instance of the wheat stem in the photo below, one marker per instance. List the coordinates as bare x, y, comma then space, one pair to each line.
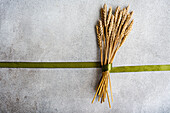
110, 36
101, 56
97, 91
107, 47
110, 87
108, 99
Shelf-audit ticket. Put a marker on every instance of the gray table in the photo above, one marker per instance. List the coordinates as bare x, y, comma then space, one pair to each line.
39, 30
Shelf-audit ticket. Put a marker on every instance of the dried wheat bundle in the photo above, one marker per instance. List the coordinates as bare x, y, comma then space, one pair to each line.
112, 30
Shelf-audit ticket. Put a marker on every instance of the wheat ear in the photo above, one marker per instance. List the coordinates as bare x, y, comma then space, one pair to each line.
105, 24
111, 25
102, 19
127, 9
115, 20
118, 24
106, 32
126, 22
102, 16
110, 36
99, 43
124, 15
127, 32
129, 28
109, 16
105, 14
118, 20
98, 37
116, 14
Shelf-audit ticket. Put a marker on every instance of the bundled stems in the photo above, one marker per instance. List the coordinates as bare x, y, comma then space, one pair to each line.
112, 31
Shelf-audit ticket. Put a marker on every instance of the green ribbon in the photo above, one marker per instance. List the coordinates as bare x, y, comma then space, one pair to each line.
50, 65
85, 65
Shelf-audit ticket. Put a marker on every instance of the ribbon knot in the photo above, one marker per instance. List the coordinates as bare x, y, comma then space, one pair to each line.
107, 67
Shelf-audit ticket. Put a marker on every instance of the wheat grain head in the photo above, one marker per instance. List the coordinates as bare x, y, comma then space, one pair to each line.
102, 16
109, 16
101, 28
98, 37
126, 22
111, 25
129, 28
119, 19
105, 14
116, 14
127, 9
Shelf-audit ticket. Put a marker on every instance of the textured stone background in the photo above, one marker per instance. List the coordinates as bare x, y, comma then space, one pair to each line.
58, 30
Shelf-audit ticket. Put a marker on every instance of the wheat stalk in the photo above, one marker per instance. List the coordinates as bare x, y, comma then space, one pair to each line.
99, 43
102, 19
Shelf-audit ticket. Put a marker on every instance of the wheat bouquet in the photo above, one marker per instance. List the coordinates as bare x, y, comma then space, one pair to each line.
112, 31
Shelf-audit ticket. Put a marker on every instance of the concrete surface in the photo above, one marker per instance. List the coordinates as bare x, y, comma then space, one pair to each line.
58, 30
